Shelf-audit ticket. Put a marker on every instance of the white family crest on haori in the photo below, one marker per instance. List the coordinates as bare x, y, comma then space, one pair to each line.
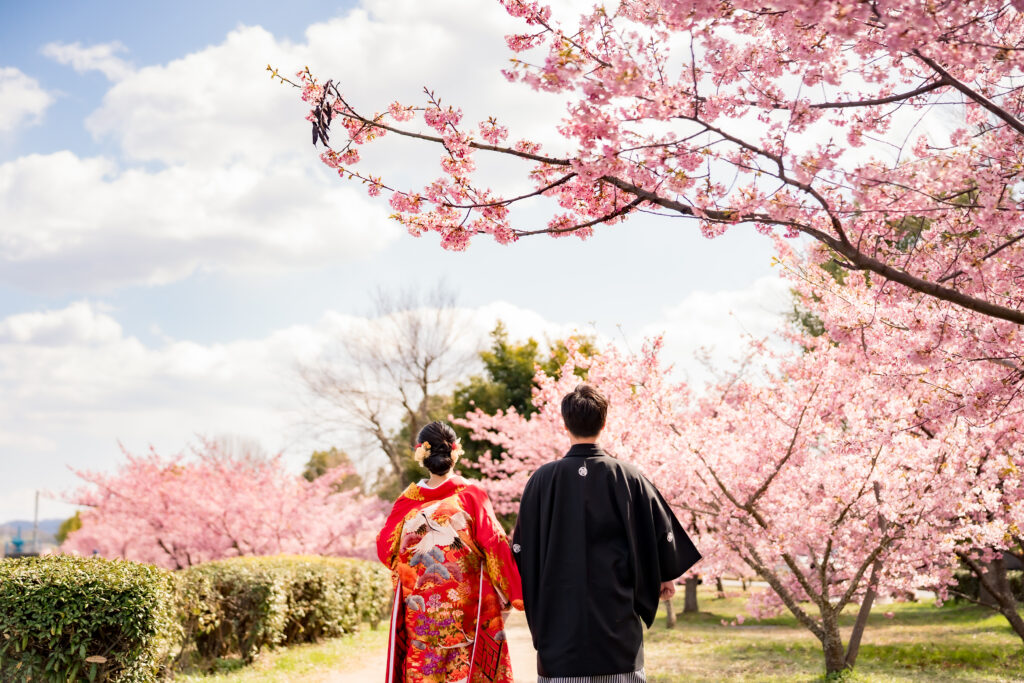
438, 534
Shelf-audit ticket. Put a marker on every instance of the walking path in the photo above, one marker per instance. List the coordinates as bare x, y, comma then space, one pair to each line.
520, 646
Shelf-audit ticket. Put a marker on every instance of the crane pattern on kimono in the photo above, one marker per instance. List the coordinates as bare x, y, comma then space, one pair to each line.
431, 537
435, 533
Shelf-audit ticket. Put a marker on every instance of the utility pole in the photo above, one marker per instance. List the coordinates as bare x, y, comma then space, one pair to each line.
35, 528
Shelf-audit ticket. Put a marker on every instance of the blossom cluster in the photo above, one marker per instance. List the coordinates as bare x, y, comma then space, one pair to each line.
175, 512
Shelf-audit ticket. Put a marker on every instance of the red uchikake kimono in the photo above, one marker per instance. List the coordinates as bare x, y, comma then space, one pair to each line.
453, 573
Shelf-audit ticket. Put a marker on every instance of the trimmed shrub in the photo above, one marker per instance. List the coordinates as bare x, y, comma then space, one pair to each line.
242, 605
65, 618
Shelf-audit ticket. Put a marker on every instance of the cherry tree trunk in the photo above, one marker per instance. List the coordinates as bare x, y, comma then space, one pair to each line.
865, 610
986, 596
1013, 616
690, 602
670, 614
719, 587
994, 590
858, 627
1003, 596
832, 642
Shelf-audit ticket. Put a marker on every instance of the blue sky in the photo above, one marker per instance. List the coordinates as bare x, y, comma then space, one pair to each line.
170, 243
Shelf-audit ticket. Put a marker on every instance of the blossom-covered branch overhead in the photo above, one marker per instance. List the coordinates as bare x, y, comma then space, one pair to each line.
888, 131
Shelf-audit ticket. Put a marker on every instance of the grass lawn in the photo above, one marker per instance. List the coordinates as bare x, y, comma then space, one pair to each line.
920, 643
302, 662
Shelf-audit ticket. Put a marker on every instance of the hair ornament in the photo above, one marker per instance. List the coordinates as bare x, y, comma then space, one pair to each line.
456, 451
421, 452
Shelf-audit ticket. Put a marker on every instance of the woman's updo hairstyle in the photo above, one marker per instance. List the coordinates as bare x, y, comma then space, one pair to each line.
438, 447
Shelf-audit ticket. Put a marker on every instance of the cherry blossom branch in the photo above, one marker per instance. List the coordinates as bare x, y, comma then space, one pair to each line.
861, 261
621, 211
505, 202
351, 114
783, 176
928, 87
988, 104
785, 458
758, 565
856, 259
609, 67
794, 567
1004, 245
855, 580
863, 489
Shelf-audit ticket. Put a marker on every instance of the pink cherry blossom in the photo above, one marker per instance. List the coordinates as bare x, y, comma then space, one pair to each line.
179, 511
798, 119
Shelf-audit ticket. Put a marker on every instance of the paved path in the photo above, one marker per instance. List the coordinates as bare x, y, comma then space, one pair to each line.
524, 658
520, 647
373, 672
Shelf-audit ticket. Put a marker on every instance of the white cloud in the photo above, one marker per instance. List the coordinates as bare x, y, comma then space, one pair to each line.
721, 324
88, 224
218, 105
102, 57
79, 324
22, 99
73, 384
208, 108
216, 171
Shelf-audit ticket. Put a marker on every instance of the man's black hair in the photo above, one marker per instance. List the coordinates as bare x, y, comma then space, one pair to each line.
584, 411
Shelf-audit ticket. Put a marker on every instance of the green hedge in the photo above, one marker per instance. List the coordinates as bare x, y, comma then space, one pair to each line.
66, 618
243, 605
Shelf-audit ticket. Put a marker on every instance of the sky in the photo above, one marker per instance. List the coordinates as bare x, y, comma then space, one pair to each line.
171, 247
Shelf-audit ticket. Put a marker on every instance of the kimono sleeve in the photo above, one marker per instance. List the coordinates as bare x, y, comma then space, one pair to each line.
663, 550
493, 543
390, 537
676, 552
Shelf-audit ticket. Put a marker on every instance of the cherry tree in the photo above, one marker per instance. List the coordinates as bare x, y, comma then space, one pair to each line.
812, 475
640, 429
179, 511
963, 367
990, 520
888, 131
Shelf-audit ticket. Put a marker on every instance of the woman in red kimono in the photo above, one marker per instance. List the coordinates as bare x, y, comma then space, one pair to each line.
454, 575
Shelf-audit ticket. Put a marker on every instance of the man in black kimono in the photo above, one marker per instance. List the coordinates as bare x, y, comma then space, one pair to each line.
597, 548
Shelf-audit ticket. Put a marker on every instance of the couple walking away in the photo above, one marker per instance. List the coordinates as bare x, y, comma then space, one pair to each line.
595, 544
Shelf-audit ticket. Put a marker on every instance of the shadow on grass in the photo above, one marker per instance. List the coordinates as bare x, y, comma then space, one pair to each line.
909, 656
916, 656
920, 642
905, 613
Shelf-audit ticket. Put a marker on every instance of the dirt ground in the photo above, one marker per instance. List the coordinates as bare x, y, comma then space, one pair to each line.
524, 658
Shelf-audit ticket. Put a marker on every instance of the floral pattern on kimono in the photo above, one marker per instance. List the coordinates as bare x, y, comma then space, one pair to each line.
454, 574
